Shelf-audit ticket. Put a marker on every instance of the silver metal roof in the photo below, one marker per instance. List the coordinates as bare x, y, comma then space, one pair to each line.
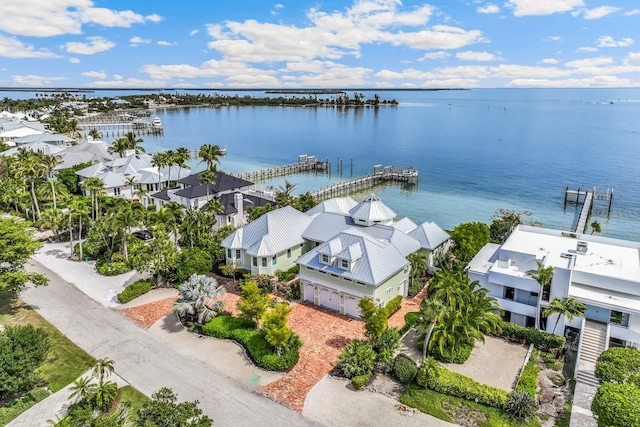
405, 225
378, 261
430, 235
272, 233
326, 225
372, 210
339, 205
405, 244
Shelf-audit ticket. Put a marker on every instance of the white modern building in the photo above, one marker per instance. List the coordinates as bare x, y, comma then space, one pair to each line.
600, 272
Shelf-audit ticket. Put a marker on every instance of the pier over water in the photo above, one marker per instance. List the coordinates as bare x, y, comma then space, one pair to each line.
586, 198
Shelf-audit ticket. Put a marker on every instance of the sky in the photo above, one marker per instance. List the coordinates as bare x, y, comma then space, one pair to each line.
319, 44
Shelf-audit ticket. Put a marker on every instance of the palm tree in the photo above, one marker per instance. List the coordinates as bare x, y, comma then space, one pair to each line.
284, 194
131, 181
214, 206
125, 219
30, 167
419, 263
430, 311
159, 160
567, 307
141, 194
544, 276
118, 146
95, 134
210, 154
171, 161
596, 227
52, 218
49, 163
82, 389
133, 143
81, 210
200, 298
102, 369
104, 394
431, 368
54, 190
94, 185
183, 155
208, 177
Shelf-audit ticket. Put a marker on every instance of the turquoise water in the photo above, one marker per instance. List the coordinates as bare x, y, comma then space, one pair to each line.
477, 151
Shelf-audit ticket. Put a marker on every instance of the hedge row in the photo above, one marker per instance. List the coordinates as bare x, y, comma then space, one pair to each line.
619, 365
135, 289
258, 349
393, 305
454, 384
529, 378
21, 404
617, 405
540, 339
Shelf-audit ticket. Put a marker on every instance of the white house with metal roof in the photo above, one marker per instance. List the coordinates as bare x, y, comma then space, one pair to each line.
602, 273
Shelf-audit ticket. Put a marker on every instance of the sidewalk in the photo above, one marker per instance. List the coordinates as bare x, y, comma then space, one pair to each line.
53, 407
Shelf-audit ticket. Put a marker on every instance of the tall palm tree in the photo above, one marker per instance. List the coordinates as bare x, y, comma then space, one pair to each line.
208, 177
81, 210
125, 219
131, 181
210, 154
430, 311
171, 161
214, 206
183, 155
94, 185
419, 263
596, 227
132, 142
200, 298
95, 134
49, 163
544, 276
30, 167
284, 194
118, 146
567, 307
51, 219
55, 189
159, 160
141, 194
102, 369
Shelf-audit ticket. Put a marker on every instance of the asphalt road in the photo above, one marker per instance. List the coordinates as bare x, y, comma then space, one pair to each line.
148, 364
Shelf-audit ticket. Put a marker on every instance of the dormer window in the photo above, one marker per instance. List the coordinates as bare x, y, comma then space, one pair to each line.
324, 259
344, 264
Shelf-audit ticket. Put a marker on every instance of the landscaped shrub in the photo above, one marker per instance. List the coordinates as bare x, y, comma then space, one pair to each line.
112, 268
393, 305
288, 275
404, 368
521, 405
619, 365
253, 340
135, 289
22, 350
410, 319
458, 355
21, 404
617, 405
193, 261
458, 385
540, 339
294, 291
529, 378
357, 358
360, 381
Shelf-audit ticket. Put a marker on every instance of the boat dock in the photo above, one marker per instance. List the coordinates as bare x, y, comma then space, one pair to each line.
115, 123
586, 198
305, 164
379, 176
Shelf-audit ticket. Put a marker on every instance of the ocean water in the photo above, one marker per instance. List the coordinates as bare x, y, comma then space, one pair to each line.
477, 150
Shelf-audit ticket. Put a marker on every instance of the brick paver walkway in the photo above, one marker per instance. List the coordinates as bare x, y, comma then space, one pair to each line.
324, 333
408, 304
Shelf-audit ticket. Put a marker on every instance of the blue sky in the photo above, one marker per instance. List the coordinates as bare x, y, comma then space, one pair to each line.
301, 43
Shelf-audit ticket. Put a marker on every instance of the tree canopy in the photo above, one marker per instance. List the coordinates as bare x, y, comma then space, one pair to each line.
469, 238
17, 245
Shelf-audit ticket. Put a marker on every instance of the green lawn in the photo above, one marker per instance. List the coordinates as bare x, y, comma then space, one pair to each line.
133, 397
66, 362
444, 407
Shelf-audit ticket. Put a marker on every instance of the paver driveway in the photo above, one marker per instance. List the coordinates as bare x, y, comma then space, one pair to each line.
324, 333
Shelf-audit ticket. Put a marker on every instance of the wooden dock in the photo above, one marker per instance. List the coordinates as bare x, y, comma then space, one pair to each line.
379, 176
305, 164
586, 198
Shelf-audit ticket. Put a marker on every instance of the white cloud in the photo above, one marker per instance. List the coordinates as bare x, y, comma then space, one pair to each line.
549, 61
34, 80
74, 60
135, 40
608, 41
596, 13
589, 62
278, 6
45, 18
489, 8
194, 32
542, 7
596, 81
164, 43
552, 39
10, 47
587, 49
95, 74
118, 82
95, 45
434, 55
477, 56
633, 58
632, 12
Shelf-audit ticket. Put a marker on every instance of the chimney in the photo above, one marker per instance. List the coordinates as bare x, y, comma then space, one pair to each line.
240, 207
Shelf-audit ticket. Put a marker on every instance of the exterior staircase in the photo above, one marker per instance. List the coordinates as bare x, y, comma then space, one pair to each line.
593, 343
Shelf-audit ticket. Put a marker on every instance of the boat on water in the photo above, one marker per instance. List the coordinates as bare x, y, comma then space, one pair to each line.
156, 123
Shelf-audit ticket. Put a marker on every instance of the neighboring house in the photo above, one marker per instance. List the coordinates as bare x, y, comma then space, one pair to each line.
43, 147
434, 242
602, 273
88, 152
115, 173
324, 238
58, 140
271, 243
352, 265
16, 129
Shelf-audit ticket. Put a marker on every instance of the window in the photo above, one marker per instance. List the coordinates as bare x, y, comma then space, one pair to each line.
263, 262
229, 253
344, 264
255, 261
237, 253
274, 260
619, 318
509, 293
324, 258
116, 191
288, 253
506, 316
